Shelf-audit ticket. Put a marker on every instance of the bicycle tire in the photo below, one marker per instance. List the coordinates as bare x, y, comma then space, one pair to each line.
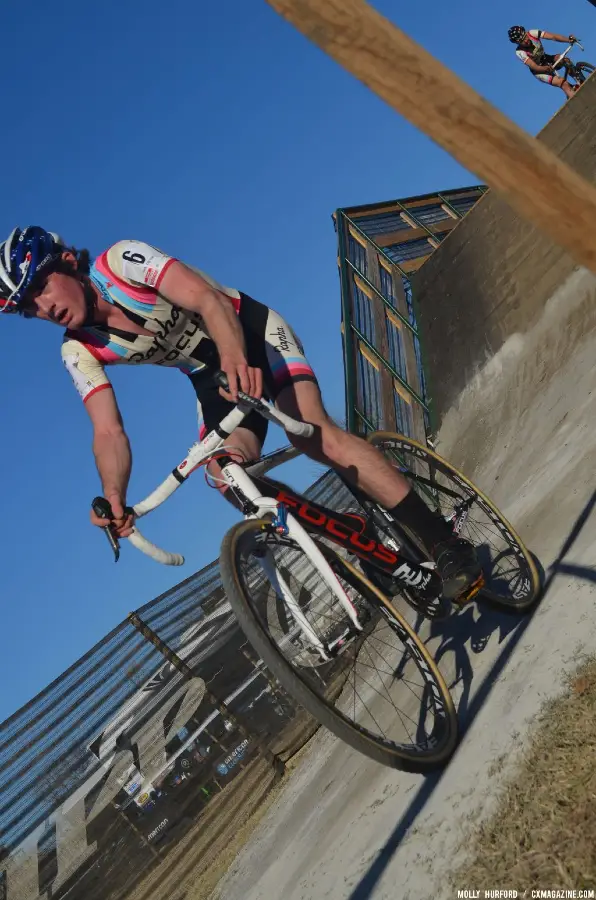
585, 69
381, 750
531, 584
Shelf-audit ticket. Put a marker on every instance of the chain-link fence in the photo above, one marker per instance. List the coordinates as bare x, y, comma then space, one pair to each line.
164, 723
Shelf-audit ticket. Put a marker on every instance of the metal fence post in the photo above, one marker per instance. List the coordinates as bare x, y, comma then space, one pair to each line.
186, 672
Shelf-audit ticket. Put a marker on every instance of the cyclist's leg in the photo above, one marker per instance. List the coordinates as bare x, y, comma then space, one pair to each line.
346, 453
568, 89
293, 386
248, 439
557, 81
357, 460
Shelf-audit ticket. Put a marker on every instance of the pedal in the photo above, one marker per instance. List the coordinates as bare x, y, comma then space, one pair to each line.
471, 592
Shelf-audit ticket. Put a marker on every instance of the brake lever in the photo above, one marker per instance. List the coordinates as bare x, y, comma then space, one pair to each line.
103, 510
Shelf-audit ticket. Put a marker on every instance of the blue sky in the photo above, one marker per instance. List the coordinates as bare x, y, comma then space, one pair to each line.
218, 133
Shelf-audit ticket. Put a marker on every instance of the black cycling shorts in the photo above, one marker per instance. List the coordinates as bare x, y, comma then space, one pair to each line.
272, 347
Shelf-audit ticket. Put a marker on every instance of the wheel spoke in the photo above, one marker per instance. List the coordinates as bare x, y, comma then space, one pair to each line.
375, 681
506, 564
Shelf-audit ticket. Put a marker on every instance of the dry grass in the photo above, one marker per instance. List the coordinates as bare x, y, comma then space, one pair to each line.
542, 831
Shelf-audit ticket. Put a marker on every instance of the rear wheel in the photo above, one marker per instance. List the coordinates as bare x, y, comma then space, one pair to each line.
379, 690
511, 576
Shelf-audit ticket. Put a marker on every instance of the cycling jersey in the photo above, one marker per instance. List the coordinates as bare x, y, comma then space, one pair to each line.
536, 53
128, 275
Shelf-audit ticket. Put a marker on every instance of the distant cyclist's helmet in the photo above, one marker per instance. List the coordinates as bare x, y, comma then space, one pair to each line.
516, 34
25, 253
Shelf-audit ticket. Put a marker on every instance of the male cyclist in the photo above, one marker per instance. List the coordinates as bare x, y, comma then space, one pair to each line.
137, 305
541, 64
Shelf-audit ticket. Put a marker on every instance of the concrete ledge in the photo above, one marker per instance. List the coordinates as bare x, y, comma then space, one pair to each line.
492, 276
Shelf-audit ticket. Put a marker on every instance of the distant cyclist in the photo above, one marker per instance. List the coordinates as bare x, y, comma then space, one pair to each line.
541, 64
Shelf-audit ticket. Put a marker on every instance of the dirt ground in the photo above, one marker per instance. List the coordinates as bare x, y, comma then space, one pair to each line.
193, 868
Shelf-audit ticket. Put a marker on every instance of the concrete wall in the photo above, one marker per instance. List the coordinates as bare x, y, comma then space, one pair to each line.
492, 276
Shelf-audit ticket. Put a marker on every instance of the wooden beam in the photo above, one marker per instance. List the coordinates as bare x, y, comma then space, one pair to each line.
374, 209
412, 265
413, 234
531, 178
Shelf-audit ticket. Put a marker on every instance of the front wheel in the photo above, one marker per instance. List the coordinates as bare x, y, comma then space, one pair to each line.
378, 689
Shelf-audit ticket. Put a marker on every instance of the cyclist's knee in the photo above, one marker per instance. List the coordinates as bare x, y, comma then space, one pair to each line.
302, 400
243, 446
246, 443
324, 442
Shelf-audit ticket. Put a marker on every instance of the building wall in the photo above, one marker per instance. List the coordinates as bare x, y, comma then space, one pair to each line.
408, 230
379, 246
382, 379
493, 274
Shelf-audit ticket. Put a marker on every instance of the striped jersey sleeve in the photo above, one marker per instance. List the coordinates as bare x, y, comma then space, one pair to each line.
86, 370
138, 263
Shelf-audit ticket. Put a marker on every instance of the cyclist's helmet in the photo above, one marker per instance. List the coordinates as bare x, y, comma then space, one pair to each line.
25, 253
516, 34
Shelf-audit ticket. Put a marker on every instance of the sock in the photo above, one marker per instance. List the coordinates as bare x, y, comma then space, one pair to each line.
430, 527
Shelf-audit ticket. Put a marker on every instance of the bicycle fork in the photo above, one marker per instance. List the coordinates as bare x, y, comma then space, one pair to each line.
285, 524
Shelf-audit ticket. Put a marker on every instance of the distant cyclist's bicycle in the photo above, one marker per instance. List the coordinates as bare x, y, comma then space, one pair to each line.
579, 71
314, 588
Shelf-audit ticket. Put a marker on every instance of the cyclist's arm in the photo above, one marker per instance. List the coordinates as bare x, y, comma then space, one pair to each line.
185, 288
540, 70
110, 443
560, 38
143, 264
113, 457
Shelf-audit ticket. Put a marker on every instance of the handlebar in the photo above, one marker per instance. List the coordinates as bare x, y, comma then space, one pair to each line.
565, 52
161, 556
195, 456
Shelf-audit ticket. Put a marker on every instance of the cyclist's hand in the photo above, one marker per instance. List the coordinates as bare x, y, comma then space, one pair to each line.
242, 377
573, 39
122, 521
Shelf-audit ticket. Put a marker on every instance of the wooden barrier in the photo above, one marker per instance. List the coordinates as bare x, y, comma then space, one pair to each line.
530, 177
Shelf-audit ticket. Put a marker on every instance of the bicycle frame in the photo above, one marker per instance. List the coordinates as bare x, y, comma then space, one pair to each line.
293, 516
563, 56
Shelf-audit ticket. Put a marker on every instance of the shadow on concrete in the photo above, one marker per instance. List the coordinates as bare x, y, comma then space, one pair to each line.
453, 640
586, 573
469, 632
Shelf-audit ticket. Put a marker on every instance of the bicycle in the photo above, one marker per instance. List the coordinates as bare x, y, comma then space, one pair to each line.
309, 588
579, 71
